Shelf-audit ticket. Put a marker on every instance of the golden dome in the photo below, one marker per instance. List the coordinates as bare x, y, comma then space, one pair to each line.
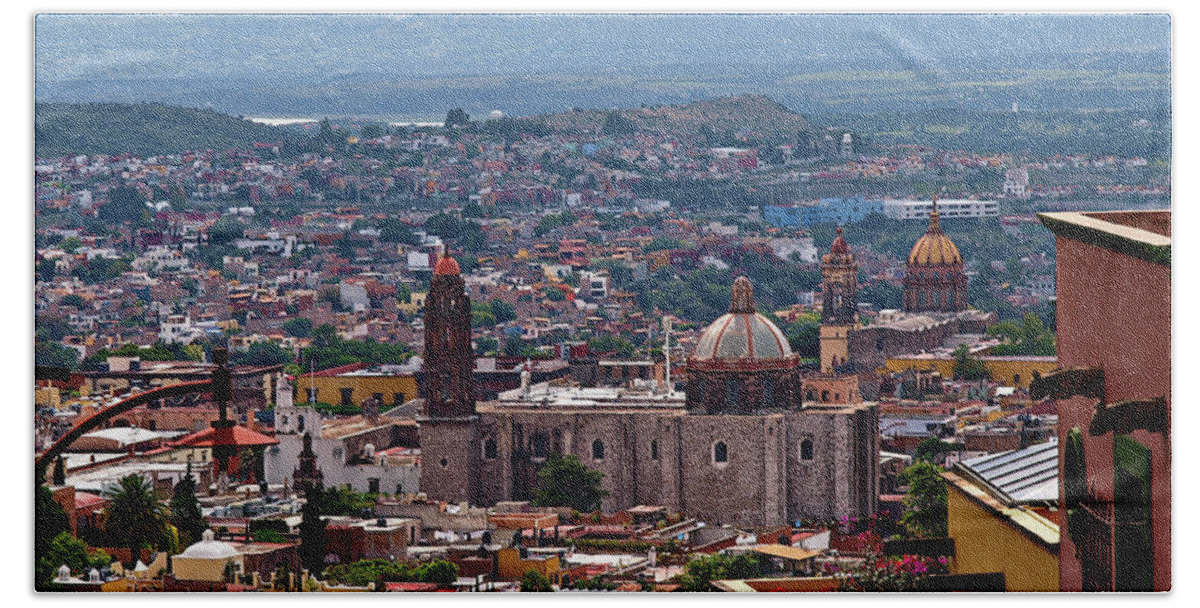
934, 247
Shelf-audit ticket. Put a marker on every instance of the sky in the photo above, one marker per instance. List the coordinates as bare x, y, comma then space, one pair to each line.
295, 47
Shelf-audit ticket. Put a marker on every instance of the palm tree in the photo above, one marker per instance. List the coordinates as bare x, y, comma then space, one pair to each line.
135, 517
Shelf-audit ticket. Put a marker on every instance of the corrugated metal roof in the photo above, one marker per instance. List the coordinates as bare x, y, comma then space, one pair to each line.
1019, 476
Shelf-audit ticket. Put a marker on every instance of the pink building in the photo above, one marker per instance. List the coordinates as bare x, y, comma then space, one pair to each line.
1113, 393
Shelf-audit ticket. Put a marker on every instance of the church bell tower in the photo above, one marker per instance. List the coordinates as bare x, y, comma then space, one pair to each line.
839, 304
450, 447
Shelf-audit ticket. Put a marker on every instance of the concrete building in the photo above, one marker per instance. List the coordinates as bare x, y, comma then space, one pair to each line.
949, 208
1113, 397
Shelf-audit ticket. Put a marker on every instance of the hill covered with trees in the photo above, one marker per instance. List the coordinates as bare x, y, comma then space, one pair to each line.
143, 129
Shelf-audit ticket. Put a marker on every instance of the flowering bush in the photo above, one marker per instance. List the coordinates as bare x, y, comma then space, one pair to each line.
878, 572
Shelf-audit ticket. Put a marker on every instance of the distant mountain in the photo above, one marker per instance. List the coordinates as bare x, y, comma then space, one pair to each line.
746, 113
143, 129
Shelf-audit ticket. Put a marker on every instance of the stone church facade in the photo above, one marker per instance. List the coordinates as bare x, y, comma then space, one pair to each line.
738, 448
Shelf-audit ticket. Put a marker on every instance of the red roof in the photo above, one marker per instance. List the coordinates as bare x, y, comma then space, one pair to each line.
235, 435
447, 265
417, 587
85, 500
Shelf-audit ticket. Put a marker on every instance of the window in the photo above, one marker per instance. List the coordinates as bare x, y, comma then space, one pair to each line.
398, 399
824, 396
768, 393
399, 488
373, 485
806, 449
312, 394
732, 388
347, 396
654, 449
541, 445
597, 450
489, 449
720, 452
937, 298
300, 424
378, 397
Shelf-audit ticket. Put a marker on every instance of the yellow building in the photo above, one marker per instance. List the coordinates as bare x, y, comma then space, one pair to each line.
999, 516
46, 396
511, 566
1009, 371
355, 387
206, 560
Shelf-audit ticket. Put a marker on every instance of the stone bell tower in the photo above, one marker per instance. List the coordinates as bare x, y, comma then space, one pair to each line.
450, 448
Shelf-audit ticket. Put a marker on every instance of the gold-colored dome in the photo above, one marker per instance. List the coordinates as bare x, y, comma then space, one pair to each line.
934, 247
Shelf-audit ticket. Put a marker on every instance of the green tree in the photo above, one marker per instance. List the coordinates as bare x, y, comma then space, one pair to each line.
931, 447
457, 117
185, 511
135, 517
66, 550
535, 582
49, 521
503, 311
564, 481
700, 573
300, 327
485, 345
611, 344
125, 204
968, 367
226, 230
925, 506
1029, 337
264, 353
439, 572
73, 299
392, 230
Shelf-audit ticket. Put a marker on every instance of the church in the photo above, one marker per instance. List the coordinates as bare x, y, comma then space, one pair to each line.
935, 312
740, 446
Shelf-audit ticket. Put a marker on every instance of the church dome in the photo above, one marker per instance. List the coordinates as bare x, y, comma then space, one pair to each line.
839, 246
934, 247
742, 333
209, 548
447, 265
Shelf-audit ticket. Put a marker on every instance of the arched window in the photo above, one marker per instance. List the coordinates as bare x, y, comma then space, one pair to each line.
720, 452
489, 449
541, 445
806, 449
824, 396
937, 298
768, 392
597, 450
811, 395
300, 424
654, 449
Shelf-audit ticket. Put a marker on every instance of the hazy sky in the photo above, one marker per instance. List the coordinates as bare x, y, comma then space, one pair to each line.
71, 46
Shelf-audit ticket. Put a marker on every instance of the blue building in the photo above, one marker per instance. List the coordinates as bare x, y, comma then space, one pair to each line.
826, 211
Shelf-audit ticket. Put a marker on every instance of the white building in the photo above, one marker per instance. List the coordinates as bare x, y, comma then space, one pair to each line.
948, 209
355, 450
1016, 183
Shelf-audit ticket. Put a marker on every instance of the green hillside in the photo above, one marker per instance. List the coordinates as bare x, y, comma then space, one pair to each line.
141, 129
758, 114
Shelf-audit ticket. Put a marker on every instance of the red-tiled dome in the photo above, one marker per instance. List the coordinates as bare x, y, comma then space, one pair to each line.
447, 265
